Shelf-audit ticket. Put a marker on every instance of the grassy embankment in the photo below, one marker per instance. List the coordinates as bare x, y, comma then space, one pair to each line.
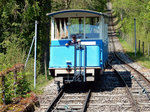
40, 84
143, 60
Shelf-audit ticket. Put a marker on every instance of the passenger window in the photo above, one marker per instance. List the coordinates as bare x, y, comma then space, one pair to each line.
92, 28
61, 28
64, 28
77, 27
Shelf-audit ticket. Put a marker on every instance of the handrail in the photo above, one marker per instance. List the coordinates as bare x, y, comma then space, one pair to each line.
14, 69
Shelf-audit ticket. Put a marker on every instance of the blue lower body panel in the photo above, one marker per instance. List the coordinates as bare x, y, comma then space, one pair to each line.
60, 56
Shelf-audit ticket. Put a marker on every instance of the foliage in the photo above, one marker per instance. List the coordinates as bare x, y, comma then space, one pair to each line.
96, 5
126, 11
16, 32
17, 22
17, 19
142, 60
22, 86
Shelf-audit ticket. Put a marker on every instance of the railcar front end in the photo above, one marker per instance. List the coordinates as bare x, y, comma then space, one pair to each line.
83, 61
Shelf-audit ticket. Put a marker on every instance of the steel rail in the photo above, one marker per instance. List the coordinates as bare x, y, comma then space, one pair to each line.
135, 107
139, 73
134, 103
54, 102
86, 101
141, 76
143, 89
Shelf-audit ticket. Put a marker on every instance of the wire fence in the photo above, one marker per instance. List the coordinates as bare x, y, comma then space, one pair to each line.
142, 46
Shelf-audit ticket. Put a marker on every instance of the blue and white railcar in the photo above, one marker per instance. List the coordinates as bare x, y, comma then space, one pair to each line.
81, 62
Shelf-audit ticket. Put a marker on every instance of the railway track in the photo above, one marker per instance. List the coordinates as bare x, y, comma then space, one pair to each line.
138, 87
71, 98
47, 97
120, 88
109, 94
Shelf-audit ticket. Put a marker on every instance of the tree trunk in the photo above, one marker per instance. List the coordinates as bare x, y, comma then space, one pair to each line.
46, 51
45, 62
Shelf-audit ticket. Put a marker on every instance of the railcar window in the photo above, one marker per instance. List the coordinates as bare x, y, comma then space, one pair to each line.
77, 27
61, 28
92, 28
66, 27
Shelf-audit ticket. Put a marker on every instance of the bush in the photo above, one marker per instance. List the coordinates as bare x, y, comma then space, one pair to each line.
127, 10
14, 55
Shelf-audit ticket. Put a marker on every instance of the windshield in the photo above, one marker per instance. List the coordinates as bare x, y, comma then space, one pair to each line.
77, 27
91, 28
83, 28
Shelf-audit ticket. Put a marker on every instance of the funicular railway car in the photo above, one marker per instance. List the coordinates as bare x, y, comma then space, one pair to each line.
82, 61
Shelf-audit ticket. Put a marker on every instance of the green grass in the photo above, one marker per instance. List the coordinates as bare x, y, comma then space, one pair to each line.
41, 82
143, 60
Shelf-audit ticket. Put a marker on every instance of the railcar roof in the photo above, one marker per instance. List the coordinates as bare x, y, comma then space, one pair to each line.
76, 13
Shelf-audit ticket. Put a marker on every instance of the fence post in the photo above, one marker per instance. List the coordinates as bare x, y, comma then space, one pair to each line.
139, 45
15, 80
3, 89
143, 48
148, 49
135, 34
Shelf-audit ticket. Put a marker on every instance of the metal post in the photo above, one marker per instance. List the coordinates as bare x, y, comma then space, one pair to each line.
84, 63
75, 57
84, 27
143, 48
135, 34
139, 45
69, 37
75, 60
35, 53
80, 59
148, 49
